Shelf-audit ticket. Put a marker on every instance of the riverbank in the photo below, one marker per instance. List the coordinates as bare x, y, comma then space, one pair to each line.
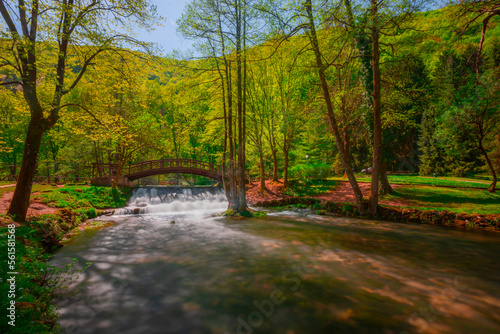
37, 282
422, 197
421, 204
445, 218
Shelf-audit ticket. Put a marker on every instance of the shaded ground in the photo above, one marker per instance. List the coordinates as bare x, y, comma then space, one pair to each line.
36, 207
343, 193
457, 200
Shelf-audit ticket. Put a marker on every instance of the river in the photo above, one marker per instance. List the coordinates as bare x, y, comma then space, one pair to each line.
291, 272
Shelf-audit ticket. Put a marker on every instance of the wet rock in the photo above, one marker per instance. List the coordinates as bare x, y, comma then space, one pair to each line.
142, 205
172, 222
136, 211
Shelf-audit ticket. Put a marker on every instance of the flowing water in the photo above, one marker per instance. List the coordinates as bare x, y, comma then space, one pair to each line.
291, 272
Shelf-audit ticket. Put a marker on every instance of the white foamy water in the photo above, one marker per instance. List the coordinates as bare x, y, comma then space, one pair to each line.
175, 200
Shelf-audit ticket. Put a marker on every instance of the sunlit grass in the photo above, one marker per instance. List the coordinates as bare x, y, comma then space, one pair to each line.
74, 197
451, 199
444, 181
3, 183
34, 189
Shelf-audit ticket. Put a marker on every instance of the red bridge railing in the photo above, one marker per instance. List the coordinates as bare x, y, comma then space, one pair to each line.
104, 169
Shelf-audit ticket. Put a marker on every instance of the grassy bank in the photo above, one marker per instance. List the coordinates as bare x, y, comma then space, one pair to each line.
85, 197
415, 179
37, 282
36, 188
388, 213
450, 199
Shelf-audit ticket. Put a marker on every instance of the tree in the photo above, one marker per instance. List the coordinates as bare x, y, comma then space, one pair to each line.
372, 21
54, 33
13, 120
224, 33
472, 11
332, 119
477, 115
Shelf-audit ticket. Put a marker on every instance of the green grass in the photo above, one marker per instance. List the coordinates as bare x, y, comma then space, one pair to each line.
37, 282
77, 197
36, 188
451, 199
444, 181
310, 187
3, 183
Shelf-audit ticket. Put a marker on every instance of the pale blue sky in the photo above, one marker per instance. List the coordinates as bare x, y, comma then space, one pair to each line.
166, 36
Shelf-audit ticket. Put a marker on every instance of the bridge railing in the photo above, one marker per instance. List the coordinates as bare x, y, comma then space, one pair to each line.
107, 169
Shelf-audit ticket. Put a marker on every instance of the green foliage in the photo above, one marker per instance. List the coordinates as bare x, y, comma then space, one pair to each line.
310, 170
310, 187
36, 284
81, 197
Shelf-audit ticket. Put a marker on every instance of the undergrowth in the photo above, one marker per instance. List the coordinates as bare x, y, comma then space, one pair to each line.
37, 282
79, 197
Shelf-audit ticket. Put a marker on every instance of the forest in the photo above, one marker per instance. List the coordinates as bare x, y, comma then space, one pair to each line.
283, 175
277, 90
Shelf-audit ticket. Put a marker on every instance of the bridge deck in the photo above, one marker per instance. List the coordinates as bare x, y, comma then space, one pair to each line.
154, 167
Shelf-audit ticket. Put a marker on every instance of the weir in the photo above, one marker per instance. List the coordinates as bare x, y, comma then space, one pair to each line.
158, 199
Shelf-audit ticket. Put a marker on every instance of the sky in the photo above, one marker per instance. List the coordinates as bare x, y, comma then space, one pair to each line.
166, 36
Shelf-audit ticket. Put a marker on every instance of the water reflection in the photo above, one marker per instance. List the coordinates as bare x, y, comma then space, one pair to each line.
287, 273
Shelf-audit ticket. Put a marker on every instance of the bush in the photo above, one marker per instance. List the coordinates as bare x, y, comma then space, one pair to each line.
310, 170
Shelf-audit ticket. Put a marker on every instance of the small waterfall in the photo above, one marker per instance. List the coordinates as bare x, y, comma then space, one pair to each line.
151, 200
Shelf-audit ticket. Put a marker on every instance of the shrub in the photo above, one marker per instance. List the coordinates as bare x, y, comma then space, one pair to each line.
310, 170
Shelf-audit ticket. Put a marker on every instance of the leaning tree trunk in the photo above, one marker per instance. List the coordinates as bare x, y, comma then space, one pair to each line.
347, 150
20, 201
385, 187
329, 107
493, 185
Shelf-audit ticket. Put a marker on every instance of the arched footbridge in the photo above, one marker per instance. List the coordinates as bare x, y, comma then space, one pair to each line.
102, 173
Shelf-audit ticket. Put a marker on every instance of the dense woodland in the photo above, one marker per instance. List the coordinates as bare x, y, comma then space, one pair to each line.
274, 89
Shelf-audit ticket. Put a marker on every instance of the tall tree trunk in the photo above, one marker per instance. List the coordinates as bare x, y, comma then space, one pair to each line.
329, 107
20, 201
262, 169
377, 119
13, 167
285, 177
275, 166
119, 172
365, 50
241, 103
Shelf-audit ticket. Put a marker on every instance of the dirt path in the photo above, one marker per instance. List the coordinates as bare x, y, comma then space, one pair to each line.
343, 193
36, 207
